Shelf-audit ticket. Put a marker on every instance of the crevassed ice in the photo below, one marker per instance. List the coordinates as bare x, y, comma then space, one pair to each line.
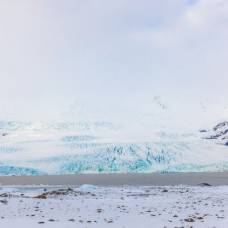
64, 148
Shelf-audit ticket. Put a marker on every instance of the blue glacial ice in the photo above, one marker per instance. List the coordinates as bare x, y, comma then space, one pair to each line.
67, 148
14, 170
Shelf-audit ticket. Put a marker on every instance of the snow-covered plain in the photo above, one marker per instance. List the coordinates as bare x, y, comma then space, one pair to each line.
91, 206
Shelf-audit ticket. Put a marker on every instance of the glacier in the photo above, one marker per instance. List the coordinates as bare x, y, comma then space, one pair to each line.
28, 148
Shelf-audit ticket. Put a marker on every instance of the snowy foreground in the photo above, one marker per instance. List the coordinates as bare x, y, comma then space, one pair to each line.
90, 206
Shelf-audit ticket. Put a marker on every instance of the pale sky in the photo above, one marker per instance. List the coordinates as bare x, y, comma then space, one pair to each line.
99, 59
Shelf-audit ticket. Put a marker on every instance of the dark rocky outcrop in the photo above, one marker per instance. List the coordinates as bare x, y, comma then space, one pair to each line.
219, 133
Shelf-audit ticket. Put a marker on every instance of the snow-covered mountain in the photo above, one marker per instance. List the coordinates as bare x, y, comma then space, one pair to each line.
219, 133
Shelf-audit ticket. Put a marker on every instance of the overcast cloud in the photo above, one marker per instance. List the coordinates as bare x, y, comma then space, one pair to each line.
103, 59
